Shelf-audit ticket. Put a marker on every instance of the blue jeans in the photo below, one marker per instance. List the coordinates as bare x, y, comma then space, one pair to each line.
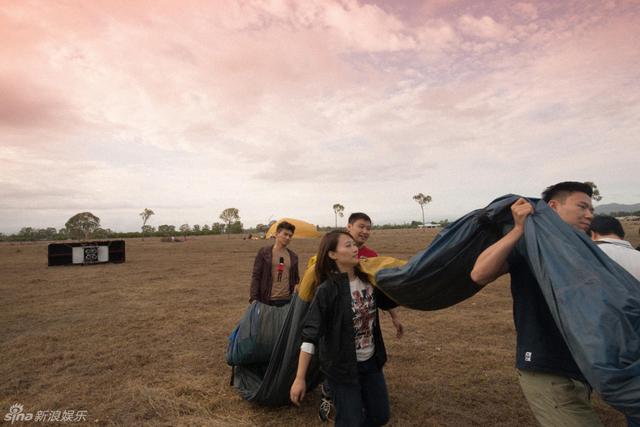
365, 403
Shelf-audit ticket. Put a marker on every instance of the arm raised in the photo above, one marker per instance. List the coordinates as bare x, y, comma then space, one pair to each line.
492, 262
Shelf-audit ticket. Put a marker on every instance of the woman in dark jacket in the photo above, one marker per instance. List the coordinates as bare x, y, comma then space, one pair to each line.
343, 325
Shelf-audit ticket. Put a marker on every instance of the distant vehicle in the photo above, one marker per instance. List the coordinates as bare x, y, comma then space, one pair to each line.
428, 226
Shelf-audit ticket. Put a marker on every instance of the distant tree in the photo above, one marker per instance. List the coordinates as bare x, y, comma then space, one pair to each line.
596, 193
217, 228
145, 215
422, 200
166, 230
196, 228
39, 234
101, 233
206, 229
31, 234
235, 228
623, 214
338, 210
148, 229
26, 233
229, 216
261, 228
185, 229
62, 233
49, 233
82, 225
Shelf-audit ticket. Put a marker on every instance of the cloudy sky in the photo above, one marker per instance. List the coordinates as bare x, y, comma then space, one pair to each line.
283, 108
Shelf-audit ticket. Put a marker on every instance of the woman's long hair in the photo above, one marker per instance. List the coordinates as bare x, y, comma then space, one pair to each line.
325, 266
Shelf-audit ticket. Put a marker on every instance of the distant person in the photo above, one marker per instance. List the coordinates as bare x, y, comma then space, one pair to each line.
608, 234
275, 269
557, 392
343, 327
359, 226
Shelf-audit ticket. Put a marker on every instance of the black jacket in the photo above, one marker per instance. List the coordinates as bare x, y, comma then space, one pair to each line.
329, 326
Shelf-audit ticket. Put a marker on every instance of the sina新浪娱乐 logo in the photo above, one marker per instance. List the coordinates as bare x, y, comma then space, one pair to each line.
16, 414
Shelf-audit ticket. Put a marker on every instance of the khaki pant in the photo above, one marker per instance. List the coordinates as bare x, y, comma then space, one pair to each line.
558, 401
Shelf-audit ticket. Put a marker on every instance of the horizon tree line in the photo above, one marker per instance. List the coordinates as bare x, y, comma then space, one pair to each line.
85, 225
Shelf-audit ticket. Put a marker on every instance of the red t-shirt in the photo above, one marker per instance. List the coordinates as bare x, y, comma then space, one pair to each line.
365, 252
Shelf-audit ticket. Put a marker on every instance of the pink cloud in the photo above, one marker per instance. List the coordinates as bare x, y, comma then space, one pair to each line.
526, 10
484, 28
25, 104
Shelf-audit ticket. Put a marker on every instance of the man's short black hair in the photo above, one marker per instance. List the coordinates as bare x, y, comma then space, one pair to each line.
606, 224
284, 225
561, 190
359, 215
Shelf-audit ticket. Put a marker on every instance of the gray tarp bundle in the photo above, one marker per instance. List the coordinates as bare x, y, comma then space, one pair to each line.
269, 383
252, 341
594, 301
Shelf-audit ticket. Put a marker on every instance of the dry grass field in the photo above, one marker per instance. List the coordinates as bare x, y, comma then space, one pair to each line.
143, 343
